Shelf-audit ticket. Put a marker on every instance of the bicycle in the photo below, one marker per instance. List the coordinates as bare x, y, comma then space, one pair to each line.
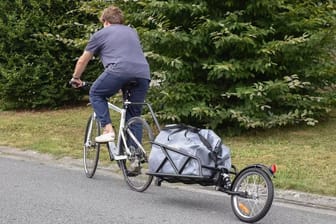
251, 189
130, 152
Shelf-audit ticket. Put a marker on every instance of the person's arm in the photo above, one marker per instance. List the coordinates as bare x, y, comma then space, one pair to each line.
81, 64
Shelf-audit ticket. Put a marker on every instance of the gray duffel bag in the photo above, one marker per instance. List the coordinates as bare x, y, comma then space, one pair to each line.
180, 143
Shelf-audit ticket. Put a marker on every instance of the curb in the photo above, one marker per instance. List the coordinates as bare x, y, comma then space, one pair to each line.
306, 199
282, 196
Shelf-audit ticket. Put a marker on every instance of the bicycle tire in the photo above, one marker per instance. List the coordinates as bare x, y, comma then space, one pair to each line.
260, 193
137, 180
91, 149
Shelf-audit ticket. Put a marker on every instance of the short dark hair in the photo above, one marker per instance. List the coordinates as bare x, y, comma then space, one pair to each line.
113, 15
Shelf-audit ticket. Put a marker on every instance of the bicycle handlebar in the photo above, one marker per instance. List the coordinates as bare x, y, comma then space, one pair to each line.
85, 85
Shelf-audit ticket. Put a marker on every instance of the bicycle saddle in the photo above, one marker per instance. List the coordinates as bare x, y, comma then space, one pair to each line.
130, 84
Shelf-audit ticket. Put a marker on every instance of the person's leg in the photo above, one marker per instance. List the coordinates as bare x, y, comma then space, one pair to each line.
137, 94
105, 86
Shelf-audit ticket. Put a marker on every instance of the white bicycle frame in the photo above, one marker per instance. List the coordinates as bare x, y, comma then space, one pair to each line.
115, 150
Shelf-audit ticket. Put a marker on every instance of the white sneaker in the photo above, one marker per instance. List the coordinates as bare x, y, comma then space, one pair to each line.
108, 137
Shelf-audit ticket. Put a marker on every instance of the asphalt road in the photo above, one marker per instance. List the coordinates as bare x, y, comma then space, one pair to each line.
39, 192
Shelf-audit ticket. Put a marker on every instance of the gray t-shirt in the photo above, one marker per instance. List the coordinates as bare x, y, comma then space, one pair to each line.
120, 50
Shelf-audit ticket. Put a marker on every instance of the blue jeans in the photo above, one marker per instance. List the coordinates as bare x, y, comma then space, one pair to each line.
107, 85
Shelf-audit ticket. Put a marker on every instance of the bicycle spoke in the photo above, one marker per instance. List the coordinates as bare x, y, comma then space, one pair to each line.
138, 138
259, 198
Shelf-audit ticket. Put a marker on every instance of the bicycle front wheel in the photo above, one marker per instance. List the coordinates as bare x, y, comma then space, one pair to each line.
139, 138
91, 148
259, 193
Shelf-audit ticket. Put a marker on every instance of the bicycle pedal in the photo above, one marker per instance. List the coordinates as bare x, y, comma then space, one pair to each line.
119, 157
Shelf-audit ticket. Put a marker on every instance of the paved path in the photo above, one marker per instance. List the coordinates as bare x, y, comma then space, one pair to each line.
50, 191
292, 197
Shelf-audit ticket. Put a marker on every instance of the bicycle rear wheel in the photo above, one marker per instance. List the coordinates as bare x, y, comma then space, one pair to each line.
139, 138
259, 190
91, 148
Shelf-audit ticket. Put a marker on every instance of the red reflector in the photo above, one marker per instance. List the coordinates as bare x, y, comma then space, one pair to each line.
273, 168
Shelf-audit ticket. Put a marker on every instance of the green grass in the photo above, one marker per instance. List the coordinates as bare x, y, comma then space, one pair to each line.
305, 156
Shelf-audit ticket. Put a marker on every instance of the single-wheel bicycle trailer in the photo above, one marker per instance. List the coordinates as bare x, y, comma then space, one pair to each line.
199, 158
251, 189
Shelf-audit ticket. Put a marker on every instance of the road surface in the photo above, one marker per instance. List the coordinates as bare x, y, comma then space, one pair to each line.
39, 192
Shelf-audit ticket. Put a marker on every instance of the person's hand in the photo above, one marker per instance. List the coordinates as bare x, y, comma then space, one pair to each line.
76, 82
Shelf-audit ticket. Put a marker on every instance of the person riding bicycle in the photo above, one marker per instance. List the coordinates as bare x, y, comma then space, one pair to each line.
123, 59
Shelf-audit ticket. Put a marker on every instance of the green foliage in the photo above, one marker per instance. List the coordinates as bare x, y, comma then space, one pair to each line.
38, 50
239, 64
221, 64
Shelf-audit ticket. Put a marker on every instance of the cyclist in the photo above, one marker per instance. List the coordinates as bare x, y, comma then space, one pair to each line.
123, 59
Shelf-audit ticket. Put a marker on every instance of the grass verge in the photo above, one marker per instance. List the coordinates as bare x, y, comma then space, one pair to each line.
305, 156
